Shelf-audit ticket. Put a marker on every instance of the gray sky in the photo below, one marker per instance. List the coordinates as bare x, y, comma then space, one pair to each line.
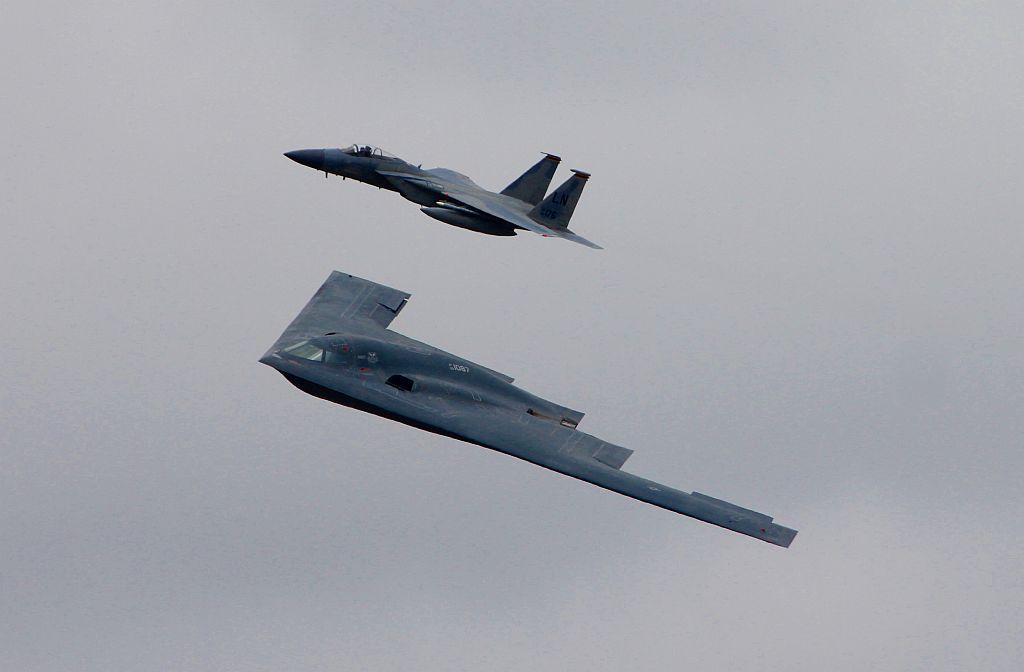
809, 304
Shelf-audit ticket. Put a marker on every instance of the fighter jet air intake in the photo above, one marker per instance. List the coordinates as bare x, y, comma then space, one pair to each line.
455, 199
339, 348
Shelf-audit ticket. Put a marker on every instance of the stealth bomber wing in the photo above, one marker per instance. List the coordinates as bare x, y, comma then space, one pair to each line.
339, 348
453, 198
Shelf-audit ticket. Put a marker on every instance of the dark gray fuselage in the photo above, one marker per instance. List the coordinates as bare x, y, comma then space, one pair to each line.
339, 348
360, 365
424, 187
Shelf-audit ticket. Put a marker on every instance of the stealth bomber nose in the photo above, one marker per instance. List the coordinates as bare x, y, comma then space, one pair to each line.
313, 158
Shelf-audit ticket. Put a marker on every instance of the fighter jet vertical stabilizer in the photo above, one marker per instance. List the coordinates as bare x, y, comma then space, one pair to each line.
531, 186
556, 210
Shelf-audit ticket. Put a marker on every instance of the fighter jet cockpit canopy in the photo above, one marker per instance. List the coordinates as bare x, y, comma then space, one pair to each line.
368, 151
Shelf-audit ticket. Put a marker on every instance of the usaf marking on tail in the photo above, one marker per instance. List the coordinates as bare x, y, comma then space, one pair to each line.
455, 199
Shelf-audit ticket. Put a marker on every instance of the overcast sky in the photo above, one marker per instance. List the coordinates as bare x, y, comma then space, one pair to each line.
809, 304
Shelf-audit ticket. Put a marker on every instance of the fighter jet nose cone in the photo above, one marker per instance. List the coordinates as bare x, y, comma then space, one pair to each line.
313, 158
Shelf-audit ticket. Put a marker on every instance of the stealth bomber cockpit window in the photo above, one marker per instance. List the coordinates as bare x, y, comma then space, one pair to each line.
306, 350
338, 353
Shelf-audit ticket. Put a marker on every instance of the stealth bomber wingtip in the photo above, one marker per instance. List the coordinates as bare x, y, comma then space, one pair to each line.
745, 521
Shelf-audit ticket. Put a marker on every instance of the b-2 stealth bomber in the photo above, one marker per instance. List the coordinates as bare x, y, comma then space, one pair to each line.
339, 348
455, 199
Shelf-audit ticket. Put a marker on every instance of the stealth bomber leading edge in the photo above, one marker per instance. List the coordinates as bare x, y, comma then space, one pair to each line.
339, 348
455, 199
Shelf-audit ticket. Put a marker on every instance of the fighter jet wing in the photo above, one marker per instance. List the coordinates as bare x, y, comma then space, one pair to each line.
341, 298
496, 208
455, 190
396, 178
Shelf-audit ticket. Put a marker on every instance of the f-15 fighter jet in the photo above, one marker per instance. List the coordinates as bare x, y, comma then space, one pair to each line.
455, 199
339, 348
